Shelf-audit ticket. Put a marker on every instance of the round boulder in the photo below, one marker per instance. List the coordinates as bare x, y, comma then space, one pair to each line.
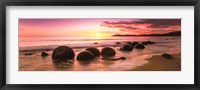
126, 48
139, 46
150, 42
95, 42
167, 56
63, 52
134, 43
85, 55
144, 43
44, 54
117, 43
94, 51
129, 43
108, 52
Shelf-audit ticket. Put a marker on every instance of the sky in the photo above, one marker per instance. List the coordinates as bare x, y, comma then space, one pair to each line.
98, 27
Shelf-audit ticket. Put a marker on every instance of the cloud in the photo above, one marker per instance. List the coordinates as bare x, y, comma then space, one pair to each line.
145, 24
163, 23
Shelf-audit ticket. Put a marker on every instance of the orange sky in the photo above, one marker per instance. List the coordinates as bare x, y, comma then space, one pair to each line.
96, 27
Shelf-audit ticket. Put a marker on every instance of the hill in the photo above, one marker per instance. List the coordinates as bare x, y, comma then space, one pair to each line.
175, 33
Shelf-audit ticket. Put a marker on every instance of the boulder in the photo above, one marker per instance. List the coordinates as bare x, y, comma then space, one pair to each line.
139, 46
117, 43
150, 42
85, 55
144, 43
167, 56
44, 54
122, 58
134, 43
94, 51
63, 53
108, 52
95, 43
126, 48
129, 43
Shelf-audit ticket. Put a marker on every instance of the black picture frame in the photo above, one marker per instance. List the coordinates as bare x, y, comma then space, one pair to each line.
4, 3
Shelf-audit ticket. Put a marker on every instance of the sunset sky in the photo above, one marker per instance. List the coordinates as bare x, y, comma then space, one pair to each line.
96, 27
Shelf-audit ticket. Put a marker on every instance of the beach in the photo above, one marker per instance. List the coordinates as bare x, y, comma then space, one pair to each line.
148, 59
158, 63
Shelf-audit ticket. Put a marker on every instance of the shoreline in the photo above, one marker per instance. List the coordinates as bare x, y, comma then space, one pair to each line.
52, 47
78, 47
158, 63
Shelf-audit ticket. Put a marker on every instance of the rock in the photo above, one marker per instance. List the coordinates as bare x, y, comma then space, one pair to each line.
44, 54
85, 55
150, 42
94, 51
28, 53
95, 43
144, 43
117, 43
134, 43
108, 52
126, 48
129, 43
139, 46
63, 53
167, 56
122, 58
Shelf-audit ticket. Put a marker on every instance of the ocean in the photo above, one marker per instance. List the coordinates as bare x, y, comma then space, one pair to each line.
42, 43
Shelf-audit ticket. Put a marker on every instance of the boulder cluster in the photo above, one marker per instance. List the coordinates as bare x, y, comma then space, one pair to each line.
129, 46
88, 54
67, 53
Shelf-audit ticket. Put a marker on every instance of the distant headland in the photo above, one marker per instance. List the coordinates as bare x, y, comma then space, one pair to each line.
175, 33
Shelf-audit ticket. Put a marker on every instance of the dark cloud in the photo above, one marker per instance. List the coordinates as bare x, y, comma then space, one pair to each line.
163, 23
147, 24
130, 27
124, 22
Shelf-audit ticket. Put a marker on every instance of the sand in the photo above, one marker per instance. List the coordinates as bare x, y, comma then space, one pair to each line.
151, 63
158, 63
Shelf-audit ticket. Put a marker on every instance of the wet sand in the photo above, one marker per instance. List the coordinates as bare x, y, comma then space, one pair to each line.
37, 63
149, 62
158, 63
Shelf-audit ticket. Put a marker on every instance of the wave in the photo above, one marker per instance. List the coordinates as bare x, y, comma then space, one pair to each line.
75, 46
71, 40
51, 47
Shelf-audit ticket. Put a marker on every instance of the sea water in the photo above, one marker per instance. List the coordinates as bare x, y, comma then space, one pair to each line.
36, 43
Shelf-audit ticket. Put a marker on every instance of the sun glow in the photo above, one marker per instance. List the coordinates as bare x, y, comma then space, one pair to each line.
98, 35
